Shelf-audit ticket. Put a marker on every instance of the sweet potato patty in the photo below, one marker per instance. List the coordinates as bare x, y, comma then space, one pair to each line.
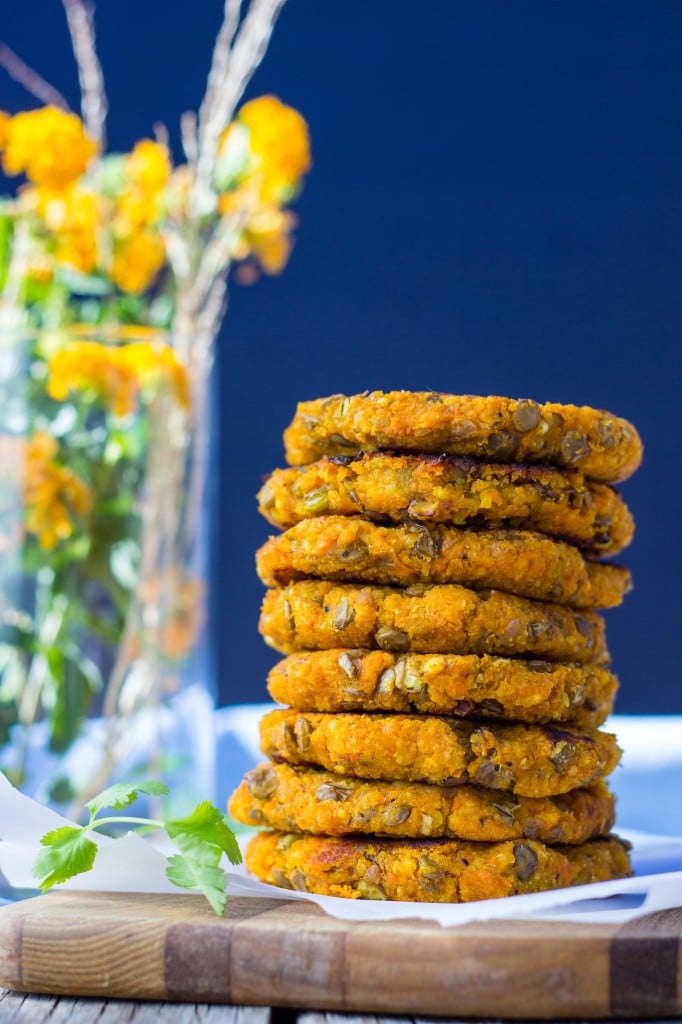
517, 561
430, 871
532, 760
462, 685
453, 491
308, 800
450, 619
491, 428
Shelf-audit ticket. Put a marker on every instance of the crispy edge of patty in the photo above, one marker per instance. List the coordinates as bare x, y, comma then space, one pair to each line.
522, 562
463, 685
289, 799
531, 760
433, 871
448, 618
456, 491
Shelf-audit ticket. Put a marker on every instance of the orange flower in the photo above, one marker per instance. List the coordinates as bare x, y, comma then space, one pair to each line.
74, 217
49, 145
155, 365
266, 235
116, 374
149, 166
91, 366
54, 495
148, 170
268, 240
5, 121
180, 618
137, 260
279, 144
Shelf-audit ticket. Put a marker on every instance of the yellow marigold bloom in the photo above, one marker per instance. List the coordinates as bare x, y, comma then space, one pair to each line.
74, 216
268, 240
137, 260
266, 236
54, 495
155, 364
244, 197
5, 120
149, 166
91, 366
279, 143
116, 374
48, 145
179, 595
148, 170
134, 211
40, 269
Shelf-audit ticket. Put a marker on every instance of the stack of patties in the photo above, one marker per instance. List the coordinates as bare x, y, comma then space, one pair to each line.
436, 592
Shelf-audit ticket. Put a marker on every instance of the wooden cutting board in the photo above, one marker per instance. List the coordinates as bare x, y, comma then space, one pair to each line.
287, 953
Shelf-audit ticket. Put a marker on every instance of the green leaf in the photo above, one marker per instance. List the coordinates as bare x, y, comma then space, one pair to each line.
125, 557
77, 680
83, 284
206, 824
68, 852
201, 870
6, 231
123, 794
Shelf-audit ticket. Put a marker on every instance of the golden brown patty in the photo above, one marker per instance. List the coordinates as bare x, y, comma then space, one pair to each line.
318, 615
453, 491
491, 428
462, 685
430, 870
532, 760
307, 800
517, 561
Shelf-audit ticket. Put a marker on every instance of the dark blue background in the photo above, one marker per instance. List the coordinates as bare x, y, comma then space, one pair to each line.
494, 208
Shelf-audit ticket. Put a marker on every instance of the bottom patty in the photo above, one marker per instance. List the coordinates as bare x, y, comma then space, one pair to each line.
323, 803
432, 870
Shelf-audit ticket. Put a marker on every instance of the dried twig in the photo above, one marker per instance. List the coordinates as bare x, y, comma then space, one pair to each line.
214, 308
34, 83
93, 97
178, 256
245, 55
161, 133
221, 56
188, 134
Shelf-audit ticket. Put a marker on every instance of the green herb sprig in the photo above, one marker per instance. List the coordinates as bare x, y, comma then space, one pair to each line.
201, 839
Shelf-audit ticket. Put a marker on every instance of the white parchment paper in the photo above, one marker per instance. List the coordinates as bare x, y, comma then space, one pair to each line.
132, 864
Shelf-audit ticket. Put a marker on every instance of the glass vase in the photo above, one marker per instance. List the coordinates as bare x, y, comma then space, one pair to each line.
105, 671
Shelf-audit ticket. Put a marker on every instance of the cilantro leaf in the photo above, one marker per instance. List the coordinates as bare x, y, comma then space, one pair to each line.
206, 824
68, 852
201, 870
201, 838
124, 794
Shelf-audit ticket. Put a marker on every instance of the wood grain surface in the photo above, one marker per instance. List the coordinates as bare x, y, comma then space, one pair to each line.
291, 954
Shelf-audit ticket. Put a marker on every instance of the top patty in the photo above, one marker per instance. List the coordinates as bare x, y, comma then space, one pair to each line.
455, 491
491, 428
